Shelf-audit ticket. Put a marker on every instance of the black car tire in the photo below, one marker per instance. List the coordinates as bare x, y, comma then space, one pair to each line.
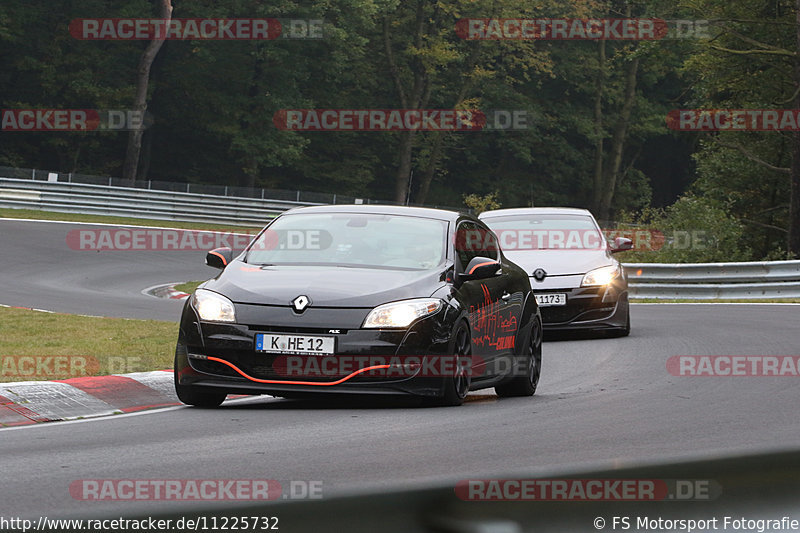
526, 385
457, 386
192, 396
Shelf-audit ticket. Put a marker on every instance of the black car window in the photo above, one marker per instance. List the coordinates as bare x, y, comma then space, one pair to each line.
490, 247
474, 240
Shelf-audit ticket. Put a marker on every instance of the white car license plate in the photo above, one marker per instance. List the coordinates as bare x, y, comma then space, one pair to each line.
295, 344
547, 300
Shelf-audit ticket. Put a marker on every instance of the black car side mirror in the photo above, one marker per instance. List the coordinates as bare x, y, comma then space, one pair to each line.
621, 244
219, 257
480, 268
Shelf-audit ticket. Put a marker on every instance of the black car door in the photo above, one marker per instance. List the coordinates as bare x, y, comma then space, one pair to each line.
491, 312
511, 287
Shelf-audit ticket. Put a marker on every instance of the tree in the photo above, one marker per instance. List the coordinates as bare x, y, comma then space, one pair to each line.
432, 65
134, 149
754, 62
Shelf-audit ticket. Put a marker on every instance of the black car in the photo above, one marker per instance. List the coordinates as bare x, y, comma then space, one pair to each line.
578, 283
361, 299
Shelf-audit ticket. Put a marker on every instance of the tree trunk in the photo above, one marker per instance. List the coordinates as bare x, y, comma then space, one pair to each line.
438, 137
794, 196
146, 156
794, 200
130, 167
252, 166
433, 162
76, 158
404, 167
416, 98
598, 126
618, 141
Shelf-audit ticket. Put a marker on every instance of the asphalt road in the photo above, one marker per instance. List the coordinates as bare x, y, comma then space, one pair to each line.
43, 270
601, 402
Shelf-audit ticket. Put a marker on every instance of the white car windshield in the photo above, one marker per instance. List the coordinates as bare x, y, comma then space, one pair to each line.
546, 232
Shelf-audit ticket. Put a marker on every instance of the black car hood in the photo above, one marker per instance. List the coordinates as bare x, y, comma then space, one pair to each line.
325, 286
560, 262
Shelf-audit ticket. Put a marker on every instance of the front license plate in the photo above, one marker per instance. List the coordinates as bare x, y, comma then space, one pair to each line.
548, 300
295, 344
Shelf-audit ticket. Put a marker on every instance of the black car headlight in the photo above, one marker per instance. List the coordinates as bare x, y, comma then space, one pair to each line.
213, 307
401, 314
601, 276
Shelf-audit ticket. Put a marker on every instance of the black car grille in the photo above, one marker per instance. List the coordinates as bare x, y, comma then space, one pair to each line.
555, 315
212, 367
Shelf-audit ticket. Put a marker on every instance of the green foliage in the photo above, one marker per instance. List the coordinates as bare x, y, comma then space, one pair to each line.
695, 230
731, 71
479, 204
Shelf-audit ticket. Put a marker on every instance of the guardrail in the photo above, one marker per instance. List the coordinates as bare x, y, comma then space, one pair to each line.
176, 186
708, 281
238, 206
144, 203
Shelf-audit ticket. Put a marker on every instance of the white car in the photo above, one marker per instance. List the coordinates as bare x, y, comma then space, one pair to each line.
577, 282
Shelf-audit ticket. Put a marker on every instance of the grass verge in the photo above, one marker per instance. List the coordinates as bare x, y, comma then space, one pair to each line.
37, 346
74, 217
188, 287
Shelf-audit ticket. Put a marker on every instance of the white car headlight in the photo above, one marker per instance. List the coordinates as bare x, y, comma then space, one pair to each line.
401, 314
600, 276
213, 307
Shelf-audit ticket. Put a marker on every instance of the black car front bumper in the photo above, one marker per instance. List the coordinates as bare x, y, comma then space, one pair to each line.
590, 308
203, 346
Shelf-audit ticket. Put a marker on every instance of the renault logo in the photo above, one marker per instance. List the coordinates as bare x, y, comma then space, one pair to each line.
539, 274
300, 303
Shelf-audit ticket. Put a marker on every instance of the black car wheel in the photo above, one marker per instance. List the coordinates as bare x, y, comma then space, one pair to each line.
525, 385
199, 398
457, 386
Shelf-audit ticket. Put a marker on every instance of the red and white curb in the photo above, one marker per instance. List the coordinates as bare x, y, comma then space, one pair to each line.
166, 291
31, 402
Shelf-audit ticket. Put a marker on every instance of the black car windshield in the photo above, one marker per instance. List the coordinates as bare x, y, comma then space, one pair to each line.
362, 240
546, 232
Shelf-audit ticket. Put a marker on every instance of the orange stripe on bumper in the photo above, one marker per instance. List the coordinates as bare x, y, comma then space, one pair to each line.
283, 382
